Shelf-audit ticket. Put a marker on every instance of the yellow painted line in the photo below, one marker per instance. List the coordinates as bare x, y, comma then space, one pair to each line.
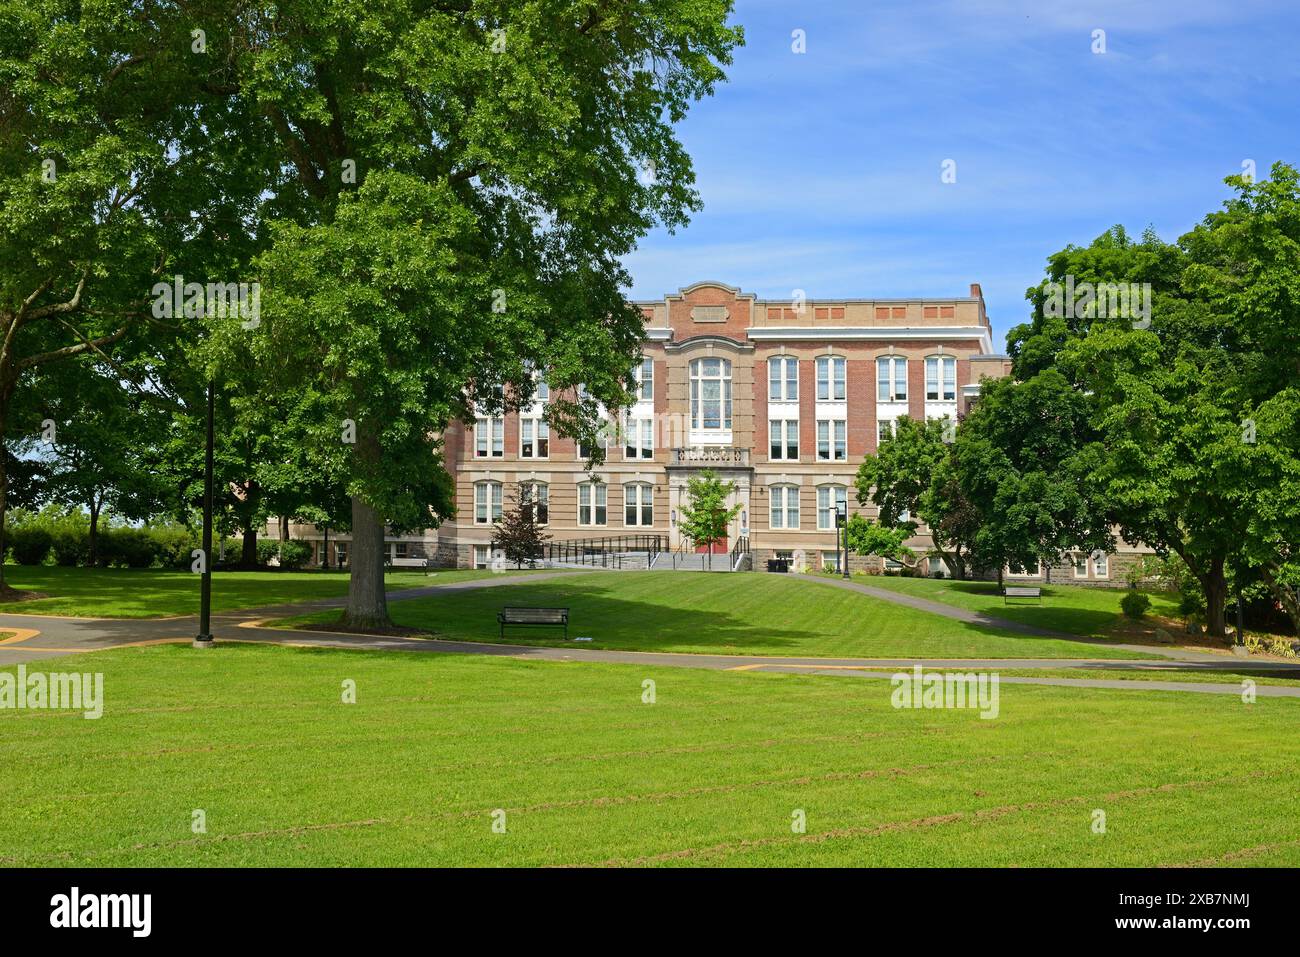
19, 634
746, 667
30, 614
260, 626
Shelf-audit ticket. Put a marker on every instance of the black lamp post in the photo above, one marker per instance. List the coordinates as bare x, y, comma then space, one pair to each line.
842, 530
204, 638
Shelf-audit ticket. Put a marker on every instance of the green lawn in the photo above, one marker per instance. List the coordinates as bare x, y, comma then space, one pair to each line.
131, 593
755, 614
257, 738
1290, 680
1074, 609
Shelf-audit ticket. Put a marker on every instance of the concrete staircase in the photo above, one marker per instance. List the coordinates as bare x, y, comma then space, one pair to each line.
694, 562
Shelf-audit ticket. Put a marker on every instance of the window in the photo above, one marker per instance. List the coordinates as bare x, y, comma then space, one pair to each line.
482, 556
399, 550
941, 379
539, 494
643, 379
891, 379
711, 394
784, 436
830, 378
1034, 572
936, 566
783, 379
1101, 566
831, 440
830, 561
591, 503
638, 438
884, 430
638, 505
785, 506
487, 502
534, 439
1080, 566
489, 438
830, 500
341, 554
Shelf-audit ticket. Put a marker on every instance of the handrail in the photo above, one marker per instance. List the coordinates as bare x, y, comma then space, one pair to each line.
739, 552
605, 552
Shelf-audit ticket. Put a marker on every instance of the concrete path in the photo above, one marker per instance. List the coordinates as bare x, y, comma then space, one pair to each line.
44, 638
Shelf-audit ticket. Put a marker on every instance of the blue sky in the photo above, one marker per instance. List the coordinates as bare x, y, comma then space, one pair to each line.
821, 171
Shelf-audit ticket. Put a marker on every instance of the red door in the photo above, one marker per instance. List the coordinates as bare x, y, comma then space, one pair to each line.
719, 547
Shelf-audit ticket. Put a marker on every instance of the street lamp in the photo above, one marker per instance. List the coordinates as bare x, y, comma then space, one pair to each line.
204, 638
841, 522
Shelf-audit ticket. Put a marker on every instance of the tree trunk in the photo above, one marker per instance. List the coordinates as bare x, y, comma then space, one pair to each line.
92, 539
1215, 586
367, 603
1001, 586
248, 548
284, 529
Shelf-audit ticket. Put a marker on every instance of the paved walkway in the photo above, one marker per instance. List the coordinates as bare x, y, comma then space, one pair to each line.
44, 638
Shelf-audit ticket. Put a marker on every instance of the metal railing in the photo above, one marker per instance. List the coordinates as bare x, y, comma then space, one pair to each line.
740, 555
607, 552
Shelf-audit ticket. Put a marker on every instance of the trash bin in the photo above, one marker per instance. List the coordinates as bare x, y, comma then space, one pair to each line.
778, 564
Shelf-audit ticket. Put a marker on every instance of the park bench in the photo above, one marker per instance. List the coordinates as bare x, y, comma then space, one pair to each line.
534, 616
1023, 591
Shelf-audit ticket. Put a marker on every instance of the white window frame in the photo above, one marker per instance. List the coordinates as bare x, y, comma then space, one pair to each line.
639, 436
596, 495
699, 379
887, 388
639, 497
785, 428
832, 379
490, 437
830, 561
1035, 573
1080, 564
542, 507
835, 440
643, 379
829, 499
1101, 567
783, 507
784, 386
885, 429
537, 436
487, 502
941, 366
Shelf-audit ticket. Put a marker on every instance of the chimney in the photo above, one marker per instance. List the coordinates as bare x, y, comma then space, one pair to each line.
975, 291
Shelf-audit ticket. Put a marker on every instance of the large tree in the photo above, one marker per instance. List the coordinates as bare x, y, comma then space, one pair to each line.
470, 175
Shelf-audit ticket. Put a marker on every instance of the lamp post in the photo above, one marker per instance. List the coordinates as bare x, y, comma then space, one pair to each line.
842, 530
204, 638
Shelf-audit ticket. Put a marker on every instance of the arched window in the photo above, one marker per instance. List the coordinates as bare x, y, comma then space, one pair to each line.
830, 500
785, 506
711, 394
487, 502
830, 379
941, 379
592, 500
783, 379
891, 379
539, 494
638, 505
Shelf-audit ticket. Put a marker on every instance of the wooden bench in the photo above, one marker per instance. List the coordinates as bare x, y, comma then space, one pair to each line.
1023, 591
534, 616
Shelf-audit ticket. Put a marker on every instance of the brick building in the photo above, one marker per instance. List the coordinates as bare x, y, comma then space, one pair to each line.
784, 398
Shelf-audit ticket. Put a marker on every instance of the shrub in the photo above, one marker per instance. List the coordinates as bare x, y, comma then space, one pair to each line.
296, 554
172, 544
1135, 604
267, 549
30, 544
127, 546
